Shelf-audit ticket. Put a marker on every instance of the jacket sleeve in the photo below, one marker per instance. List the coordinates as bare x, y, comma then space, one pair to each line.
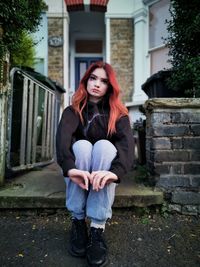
66, 128
124, 143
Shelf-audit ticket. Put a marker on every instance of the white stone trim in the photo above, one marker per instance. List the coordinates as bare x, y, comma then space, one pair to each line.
140, 14
118, 15
157, 47
107, 20
150, 2
140, 51
86, 2
58, 15
66, 59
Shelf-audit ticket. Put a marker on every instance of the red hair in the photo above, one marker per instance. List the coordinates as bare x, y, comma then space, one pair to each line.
117, 108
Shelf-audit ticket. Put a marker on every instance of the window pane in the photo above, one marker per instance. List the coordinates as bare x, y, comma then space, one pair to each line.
83, 68
159, 60
158, 13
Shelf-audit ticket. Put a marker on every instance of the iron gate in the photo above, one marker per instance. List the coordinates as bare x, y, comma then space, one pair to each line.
33, 118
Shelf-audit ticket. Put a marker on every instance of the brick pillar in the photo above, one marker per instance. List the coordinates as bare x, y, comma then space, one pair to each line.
173, 150
121, 58
55, 53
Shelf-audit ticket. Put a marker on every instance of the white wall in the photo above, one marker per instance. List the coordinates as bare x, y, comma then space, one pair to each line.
121, 6
55, 6
41, 38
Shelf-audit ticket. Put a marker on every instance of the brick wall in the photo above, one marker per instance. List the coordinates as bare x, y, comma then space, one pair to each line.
173, 150
55, 54
121, 31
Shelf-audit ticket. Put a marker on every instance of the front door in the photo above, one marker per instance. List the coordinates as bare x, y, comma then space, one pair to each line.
81, 65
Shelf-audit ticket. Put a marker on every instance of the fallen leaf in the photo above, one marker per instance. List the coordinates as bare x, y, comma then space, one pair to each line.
192, 235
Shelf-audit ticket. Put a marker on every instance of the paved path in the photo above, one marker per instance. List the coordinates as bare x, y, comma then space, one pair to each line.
148, 240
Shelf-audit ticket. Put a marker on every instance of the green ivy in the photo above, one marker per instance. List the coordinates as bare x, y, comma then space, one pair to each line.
184, 46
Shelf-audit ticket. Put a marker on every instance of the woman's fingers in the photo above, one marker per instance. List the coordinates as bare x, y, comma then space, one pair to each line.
104, 181
86, 179
101, 178
80, 177
98, 179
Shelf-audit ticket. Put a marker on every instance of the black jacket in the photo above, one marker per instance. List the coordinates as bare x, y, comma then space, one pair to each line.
70, 130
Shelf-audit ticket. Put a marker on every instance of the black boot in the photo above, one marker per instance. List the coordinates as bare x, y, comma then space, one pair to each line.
78, 238
96, 249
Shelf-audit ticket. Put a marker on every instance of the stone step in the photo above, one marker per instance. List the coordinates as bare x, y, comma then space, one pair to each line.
131, 193
45, 188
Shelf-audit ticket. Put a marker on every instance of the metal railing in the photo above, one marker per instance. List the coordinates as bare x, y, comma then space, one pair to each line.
33, 113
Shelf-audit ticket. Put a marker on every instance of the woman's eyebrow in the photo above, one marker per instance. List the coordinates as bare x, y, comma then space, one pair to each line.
93, 75
104, 79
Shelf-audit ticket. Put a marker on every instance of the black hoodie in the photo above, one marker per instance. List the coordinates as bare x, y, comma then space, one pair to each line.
96, 115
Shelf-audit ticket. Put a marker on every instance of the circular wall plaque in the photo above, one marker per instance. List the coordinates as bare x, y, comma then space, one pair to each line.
55, 41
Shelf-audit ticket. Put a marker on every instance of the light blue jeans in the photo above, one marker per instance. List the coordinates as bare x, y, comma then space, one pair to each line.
97, 206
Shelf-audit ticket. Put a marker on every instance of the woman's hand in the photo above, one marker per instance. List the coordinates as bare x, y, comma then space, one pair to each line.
99, 179
80, 178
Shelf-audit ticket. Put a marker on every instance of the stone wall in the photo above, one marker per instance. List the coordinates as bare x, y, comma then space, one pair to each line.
173, 150
121, 36
55, 54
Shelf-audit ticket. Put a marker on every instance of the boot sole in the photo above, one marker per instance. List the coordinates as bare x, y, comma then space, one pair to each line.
78, 255
96, 265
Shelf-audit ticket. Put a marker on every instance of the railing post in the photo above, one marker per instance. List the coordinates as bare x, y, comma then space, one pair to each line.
4, 92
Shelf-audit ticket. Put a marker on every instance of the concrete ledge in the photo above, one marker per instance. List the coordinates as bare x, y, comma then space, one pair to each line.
142, 199
45, 188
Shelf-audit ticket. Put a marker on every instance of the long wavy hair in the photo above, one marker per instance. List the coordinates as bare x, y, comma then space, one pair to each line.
117, 108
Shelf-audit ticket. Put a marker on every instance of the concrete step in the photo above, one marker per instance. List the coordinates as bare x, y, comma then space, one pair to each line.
45, 188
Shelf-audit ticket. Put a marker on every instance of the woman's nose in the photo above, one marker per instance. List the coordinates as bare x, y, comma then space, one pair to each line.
97, 83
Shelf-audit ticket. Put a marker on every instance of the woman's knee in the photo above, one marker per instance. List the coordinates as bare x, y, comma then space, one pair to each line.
82, 150
103, 154
105, 147
82, 146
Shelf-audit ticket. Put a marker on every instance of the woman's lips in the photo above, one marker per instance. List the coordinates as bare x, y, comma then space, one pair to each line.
95, 90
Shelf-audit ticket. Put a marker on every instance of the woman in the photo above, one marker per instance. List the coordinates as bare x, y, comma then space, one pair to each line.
94, 149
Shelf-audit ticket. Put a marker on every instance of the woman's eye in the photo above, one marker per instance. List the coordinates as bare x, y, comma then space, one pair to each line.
92, 78
105, 81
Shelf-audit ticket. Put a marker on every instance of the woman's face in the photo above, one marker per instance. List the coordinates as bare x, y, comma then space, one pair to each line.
97, 85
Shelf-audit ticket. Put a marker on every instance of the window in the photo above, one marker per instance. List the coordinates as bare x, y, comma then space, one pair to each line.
158, 14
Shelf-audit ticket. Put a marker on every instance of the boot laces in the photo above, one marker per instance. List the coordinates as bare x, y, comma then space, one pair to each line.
78, 227
96, 235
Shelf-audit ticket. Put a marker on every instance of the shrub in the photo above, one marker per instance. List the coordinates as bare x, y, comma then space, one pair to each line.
184, 46
15, 18
24, 53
